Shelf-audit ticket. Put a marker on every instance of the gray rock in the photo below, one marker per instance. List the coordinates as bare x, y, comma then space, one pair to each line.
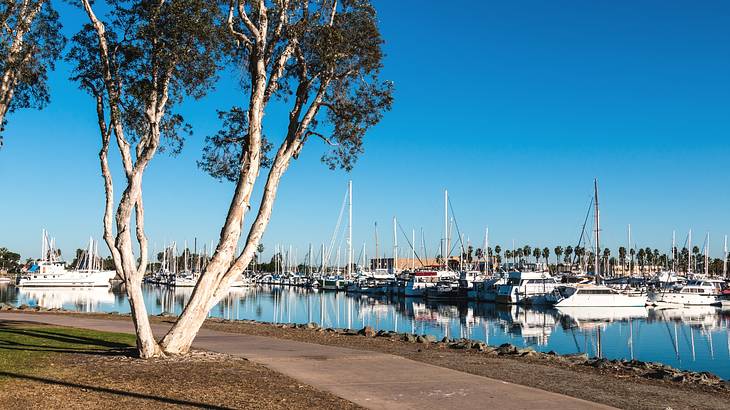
312, 325
367, 331
409, 338
506, 349
574, 357
421, 339
430, 338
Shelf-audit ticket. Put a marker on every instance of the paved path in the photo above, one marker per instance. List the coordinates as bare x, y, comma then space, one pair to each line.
370, 379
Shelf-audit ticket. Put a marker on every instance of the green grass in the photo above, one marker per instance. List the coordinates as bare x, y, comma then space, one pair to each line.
25, 347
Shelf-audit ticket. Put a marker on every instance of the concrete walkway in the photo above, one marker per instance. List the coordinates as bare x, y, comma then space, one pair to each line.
370, 379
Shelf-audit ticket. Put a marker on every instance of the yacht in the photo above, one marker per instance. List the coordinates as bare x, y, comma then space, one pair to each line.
530, 288
50, 271
242, 281
590, 295
423, 279
697, 292
486, 291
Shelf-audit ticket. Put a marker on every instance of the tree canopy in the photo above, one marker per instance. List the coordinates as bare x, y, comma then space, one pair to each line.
30, 43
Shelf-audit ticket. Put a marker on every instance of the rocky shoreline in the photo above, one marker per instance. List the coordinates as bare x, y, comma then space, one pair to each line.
618, 367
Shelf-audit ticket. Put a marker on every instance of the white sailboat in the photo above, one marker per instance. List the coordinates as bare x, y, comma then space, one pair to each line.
423, 279
595, 295
50, 270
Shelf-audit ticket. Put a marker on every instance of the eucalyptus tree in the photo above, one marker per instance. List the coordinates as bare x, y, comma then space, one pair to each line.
138, 62
30, 43
321, 61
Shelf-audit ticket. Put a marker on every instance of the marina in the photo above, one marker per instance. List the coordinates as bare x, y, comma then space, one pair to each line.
691, 338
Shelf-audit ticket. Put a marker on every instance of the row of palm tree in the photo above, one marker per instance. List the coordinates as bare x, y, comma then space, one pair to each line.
569, 258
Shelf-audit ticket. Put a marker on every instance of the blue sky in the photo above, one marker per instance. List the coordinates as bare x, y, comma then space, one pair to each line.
513, 106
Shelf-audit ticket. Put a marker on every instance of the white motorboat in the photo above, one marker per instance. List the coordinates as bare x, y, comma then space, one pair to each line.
242, 282
486, 291
590, 295
50, 271
529, 288
424, 279
697, 292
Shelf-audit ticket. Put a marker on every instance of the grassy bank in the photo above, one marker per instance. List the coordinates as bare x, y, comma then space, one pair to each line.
56, 367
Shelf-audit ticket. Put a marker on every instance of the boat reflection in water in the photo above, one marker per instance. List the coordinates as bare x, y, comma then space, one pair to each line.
85, 299
693, 338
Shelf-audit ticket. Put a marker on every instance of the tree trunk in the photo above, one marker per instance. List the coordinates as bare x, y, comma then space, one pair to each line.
146, 342
209, 289
179, 339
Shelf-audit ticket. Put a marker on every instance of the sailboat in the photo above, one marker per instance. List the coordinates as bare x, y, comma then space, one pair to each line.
422, 279
50, 270
335, 281
597, 294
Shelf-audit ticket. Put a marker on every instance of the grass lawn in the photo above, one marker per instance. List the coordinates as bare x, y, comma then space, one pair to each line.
25, 348
66, 368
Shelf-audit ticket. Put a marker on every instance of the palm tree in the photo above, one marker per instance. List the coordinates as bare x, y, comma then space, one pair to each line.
545, 255
641, 255
498, 250
568, 252
606, 255
536, 253
632, 252
507, 254
558, 251
622, 256
526, 251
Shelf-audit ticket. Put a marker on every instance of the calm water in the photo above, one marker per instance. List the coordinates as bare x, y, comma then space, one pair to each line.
695, 338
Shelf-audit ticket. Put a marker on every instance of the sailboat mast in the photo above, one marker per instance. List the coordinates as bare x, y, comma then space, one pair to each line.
707, 254
486, 250
377, 255
596, 265
349, 231
724, 259
631, 255
445, 245
413, 249
674, 252
689, 252
395, 245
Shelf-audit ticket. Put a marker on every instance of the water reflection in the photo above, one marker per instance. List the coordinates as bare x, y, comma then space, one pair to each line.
695, 338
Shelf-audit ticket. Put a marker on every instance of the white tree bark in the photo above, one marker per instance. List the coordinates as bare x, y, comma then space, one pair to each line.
121, 244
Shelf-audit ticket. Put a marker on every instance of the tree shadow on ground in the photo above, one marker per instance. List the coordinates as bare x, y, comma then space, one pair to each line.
60, 342
98, 389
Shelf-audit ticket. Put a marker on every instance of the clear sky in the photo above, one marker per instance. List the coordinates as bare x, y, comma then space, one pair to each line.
513, 106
